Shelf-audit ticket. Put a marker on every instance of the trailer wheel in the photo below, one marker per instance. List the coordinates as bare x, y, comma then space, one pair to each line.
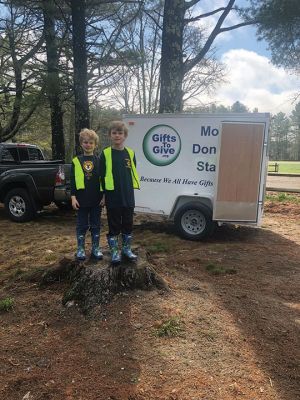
18, 205
193, 221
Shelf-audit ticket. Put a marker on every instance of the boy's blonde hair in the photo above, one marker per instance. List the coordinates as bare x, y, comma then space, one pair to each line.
88, 134
118, 126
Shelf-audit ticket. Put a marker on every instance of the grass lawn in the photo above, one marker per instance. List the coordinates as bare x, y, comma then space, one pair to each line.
286, 167
283, 198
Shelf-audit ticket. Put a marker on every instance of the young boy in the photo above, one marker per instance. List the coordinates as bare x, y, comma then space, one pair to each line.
119, 179
86, 194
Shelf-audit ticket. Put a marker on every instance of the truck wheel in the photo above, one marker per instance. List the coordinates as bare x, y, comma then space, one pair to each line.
18, 205
193, 221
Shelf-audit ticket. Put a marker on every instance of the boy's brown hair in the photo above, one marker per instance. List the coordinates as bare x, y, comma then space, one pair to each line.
118, 126
88, 134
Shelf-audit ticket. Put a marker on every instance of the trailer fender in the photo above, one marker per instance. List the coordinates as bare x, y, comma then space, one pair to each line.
184, 199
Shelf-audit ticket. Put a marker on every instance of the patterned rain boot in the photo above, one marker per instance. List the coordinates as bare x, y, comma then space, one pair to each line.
114, 250
126, 247
80, 253
96, 250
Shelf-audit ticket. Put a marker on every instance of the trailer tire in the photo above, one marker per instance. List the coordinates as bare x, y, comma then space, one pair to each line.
19, 206
193, 221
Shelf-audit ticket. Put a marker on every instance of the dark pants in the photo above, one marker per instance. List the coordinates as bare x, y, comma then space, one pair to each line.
88, 218
120, 220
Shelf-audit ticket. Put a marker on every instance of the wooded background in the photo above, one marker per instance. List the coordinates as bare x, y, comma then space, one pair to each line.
66, 65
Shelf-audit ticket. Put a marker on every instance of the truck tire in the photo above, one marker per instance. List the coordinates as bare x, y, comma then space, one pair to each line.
193, 221
19, 206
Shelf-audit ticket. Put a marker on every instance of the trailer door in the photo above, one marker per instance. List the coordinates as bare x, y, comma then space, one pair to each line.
239, 172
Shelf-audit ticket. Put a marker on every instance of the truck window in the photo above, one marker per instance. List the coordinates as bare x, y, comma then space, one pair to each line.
35, 154
9, 154
23, 153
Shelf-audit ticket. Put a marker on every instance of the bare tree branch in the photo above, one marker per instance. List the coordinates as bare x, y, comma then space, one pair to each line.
215, 32
189, 4
208, 14
230, 28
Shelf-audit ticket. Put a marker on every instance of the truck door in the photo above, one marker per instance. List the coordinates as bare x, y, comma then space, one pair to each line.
239, 172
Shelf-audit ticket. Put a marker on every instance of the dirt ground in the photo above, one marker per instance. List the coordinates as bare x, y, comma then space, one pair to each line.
235, 299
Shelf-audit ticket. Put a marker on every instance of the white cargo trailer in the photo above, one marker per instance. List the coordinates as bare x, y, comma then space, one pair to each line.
201, 169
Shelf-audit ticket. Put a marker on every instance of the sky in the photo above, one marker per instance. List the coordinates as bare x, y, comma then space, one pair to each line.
251, 77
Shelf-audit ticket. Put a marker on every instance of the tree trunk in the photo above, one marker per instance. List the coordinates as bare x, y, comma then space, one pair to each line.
298, 144
171, 70
53, 82
82, 119
69, 134
95, 284
11, 125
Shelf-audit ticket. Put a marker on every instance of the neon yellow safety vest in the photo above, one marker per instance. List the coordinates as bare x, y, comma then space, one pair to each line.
109, 179
79, 174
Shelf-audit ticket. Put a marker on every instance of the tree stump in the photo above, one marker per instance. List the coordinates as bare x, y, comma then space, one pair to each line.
95, 283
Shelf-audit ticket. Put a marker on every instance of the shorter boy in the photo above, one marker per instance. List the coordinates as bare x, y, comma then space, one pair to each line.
86, 194
119, 179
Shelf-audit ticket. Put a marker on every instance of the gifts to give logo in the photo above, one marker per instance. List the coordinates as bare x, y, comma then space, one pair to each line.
161, 145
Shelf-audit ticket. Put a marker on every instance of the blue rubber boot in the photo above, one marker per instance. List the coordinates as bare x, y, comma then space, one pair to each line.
126, 247
114, 249
96, 250
80, 253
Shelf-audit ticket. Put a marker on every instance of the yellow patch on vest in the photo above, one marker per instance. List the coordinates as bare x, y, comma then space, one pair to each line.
88, 166
128, 163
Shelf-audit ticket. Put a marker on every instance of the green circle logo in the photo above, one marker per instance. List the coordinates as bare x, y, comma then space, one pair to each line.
161, 145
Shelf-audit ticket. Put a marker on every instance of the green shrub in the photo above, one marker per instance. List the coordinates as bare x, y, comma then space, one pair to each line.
158, 247
6, 304
170, 328
219, 270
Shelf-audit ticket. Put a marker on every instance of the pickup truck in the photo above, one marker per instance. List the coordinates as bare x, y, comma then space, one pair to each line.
28, 181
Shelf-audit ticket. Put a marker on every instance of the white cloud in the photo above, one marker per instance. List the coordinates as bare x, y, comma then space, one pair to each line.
251, 78
255, 82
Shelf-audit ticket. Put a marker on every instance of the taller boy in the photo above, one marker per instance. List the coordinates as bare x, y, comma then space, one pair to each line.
119, 179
